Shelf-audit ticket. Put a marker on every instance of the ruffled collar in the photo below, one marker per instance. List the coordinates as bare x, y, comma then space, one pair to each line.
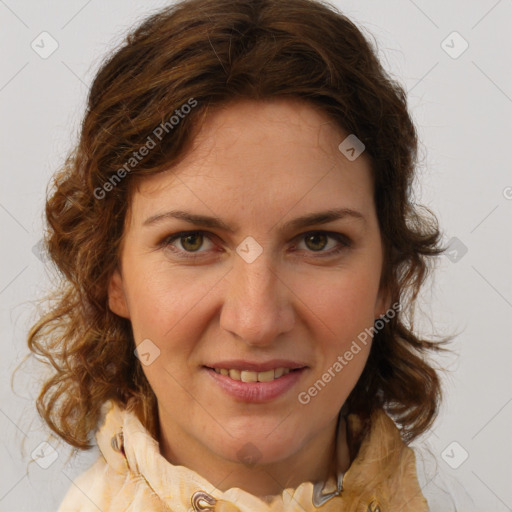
382, 473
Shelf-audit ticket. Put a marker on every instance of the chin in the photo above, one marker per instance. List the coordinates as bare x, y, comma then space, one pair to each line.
255, 448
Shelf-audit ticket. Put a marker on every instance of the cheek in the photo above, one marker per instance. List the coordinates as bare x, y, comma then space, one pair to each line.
167, 306
340, 308
343, 300
164, 301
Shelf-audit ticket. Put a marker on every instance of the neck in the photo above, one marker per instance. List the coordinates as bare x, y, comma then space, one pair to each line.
317, 460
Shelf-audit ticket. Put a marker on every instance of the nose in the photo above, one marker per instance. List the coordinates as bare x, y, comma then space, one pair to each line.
257, 306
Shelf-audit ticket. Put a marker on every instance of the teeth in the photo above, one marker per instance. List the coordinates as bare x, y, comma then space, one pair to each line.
249, 376
278, 372
234, 374
266, 376
246, 376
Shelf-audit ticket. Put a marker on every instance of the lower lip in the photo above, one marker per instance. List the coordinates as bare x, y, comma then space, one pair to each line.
256, 392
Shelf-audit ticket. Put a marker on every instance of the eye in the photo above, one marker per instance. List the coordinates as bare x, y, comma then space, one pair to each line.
192, 242
316, 241
196, 244
323, 242
188, 242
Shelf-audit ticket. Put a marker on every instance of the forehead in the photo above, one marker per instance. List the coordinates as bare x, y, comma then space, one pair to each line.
264, 159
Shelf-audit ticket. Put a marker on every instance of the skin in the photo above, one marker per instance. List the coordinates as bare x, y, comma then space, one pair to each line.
256, 166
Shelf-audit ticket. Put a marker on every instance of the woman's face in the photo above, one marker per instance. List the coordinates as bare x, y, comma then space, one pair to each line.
257, 255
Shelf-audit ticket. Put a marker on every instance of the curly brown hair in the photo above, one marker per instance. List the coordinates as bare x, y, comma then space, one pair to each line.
214, 52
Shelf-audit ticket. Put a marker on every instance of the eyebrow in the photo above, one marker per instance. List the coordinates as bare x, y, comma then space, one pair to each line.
322, 217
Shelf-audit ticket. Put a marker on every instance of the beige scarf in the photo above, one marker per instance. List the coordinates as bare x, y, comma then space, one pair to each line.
132, 475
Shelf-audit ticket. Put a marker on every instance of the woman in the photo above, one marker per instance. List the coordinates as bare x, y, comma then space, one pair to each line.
241, 257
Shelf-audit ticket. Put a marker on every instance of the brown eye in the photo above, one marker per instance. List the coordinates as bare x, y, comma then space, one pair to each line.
316, 241
192, 242
189, 244
323, 243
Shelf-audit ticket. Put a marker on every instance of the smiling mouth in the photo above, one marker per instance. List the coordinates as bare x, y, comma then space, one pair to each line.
251, 376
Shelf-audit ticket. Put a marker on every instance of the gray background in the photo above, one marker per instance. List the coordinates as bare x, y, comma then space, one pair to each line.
462, 107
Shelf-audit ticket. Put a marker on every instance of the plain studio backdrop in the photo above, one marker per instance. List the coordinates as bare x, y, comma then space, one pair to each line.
454, 60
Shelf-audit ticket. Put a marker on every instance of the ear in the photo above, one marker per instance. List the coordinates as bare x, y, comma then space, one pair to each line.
116, 296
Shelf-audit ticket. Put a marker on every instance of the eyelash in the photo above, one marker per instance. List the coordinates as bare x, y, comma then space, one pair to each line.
343, 243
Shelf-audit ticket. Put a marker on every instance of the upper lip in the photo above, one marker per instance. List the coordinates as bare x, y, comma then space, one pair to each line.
240, 364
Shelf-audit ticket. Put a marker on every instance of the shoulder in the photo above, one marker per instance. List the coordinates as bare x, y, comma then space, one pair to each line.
83, 493
109, 484
383, 472
443, 491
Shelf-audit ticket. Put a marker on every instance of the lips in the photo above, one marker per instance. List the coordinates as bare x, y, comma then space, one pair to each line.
250, 381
